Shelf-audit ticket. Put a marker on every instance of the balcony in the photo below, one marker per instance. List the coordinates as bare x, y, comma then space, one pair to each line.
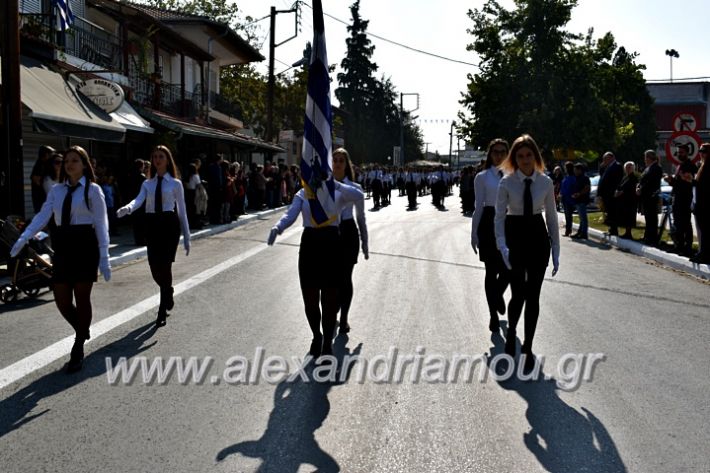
219, 103
165, 97
83, 40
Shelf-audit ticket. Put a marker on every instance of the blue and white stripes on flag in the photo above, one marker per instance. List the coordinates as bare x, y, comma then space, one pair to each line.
317, 157
65, 17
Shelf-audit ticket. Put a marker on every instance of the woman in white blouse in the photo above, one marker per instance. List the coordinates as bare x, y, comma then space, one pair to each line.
165, 219
351, 234
483, 238
524, 239
80, 241
319, 263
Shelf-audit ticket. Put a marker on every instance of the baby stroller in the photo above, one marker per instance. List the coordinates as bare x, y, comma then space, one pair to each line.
31, 270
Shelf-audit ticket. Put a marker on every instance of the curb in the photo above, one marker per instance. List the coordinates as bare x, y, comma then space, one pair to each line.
677, 262
142, 252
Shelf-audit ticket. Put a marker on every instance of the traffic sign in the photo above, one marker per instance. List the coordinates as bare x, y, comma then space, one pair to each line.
685, 121
692, 139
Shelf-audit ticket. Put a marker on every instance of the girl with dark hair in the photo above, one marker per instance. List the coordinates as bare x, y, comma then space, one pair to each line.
524, 240
483, 238
165, 218
80, 242
351, 234
318, 243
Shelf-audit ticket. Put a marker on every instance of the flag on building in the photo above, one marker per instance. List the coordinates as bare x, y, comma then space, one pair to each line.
317, 158
65, 17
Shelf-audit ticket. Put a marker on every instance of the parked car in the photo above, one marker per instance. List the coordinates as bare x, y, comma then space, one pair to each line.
594, 183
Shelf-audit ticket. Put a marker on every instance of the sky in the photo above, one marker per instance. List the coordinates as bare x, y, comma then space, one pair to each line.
648, 27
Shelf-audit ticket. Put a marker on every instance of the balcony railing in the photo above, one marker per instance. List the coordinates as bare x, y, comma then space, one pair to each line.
219, 103
92, 44
165, 97
37, 26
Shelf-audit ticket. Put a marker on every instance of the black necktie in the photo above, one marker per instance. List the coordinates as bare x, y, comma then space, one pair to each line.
527, 199
159, 195
66, 206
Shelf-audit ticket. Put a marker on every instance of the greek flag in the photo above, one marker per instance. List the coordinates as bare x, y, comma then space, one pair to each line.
317, 157
65, 17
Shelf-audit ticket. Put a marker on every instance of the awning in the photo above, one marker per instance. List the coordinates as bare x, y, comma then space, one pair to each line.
129, 118
203, 131
56, 107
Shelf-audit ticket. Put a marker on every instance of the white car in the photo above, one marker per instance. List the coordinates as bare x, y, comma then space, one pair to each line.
594, 180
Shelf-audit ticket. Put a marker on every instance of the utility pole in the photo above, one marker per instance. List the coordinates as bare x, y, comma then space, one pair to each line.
272, 79
401, 123
451, 137
426, 152
11, 174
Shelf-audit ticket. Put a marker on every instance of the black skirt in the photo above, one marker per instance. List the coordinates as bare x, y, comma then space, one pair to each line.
350, 241
528, 241
319, 258
162, 236
76, 254
487, 248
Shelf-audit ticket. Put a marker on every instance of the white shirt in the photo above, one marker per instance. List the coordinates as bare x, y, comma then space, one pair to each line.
510, 202
193, 182
344, 194
94, 214
359, 209
173, 197
374, 174
485, 186
412, 177
47, 184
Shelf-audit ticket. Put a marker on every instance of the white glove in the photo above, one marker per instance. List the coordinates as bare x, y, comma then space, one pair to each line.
505, 253
122, 212
105, 268
366, 250
186, 244
555, 264
474, 244
17, 247
272, 236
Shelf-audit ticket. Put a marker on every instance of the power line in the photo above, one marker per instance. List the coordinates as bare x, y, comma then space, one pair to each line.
420, 51
681, 79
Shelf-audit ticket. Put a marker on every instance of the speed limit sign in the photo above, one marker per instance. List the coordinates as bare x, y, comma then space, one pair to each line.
679, 138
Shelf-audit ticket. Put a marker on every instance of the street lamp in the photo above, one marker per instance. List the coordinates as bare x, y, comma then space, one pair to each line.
672, 53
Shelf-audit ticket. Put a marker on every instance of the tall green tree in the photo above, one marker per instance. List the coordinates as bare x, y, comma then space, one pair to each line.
567, 90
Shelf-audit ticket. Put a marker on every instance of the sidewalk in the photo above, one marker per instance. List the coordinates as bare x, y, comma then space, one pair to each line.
671, 260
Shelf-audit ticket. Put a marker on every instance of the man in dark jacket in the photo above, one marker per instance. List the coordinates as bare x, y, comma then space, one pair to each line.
608, 183
649, 190
682, 182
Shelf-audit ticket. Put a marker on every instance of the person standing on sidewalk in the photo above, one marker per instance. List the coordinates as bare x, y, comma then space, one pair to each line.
581, 199
567, 188
483, 238
608, 183
165, 218
319, 263
351, 234
682, 182
524, 238
648, 191
626, 200
80, 241
702, 206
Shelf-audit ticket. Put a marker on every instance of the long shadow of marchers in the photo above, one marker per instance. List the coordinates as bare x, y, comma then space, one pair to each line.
15, 410
300, 408
563, 439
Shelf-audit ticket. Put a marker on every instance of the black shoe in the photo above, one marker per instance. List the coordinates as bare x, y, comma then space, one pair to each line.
510, 342
160, 321
170, 303
316, 346
344, 328
529, 364
568, 234
576, 236
494, 323
76, 358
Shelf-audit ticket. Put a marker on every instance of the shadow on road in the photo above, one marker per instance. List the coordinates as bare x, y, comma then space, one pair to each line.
561, 438
15, 410
300, 408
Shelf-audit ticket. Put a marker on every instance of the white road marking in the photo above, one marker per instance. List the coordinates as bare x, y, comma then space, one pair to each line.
52, 353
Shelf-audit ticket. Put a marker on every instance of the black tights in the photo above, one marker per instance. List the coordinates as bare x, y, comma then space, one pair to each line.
496, 283
313, 299
346, 292
163, 276
79, 315
525, 287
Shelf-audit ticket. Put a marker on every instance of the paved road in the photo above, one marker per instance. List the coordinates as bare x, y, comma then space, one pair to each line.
646, 408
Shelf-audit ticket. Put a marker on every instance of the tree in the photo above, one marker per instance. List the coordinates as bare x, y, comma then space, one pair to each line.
567, 90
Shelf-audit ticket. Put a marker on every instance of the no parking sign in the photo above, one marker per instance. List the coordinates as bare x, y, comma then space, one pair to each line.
690, 138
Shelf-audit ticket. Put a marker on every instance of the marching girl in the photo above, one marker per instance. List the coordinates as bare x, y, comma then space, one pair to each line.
80, 241
350, 237
483, 237
165, 219
319, 287
524, 239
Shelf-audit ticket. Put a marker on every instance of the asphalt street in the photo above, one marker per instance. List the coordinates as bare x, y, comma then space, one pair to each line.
644, 407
